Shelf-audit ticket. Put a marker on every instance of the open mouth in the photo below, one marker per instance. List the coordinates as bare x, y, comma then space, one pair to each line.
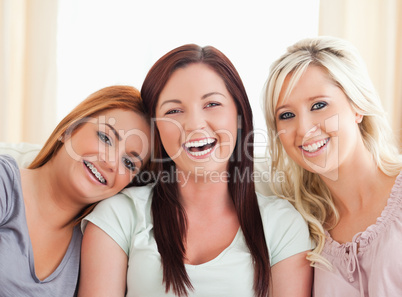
314, 147
200, 147
95, 172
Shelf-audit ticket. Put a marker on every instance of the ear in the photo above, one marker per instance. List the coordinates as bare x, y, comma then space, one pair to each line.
358, 118
61, 138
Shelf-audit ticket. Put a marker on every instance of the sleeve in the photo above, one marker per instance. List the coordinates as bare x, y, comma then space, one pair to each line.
123, 215
115, 216
286, 232
8, 174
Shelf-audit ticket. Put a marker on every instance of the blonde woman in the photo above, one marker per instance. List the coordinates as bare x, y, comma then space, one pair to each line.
93, 153
331, 139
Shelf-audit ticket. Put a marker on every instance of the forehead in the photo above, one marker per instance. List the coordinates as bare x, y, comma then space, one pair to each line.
126, 122
304, 83
196, 78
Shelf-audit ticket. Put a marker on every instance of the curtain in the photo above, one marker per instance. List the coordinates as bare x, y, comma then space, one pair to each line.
27, 70
375, 28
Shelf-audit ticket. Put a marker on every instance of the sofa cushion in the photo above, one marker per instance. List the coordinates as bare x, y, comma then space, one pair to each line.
23, 152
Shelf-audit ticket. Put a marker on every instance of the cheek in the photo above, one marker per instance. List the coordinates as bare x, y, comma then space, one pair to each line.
86, 141
288, 145
170, 132
123, 179
285, 139
227, 141
227, 129
284, 134
227, 123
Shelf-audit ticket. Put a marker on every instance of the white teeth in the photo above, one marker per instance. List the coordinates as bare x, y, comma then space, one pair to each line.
311, 148
197, 154
95, 172
199, 143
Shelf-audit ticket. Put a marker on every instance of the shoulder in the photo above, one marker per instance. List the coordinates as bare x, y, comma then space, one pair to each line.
398, 182
126, 204
273, 206
9, 185
278, 213
285, 230
8, 169
123, 215
142, 193
8, 162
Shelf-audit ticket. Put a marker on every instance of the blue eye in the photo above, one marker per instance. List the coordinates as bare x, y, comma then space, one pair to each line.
319, 105
102, 136
286, 115
128, 164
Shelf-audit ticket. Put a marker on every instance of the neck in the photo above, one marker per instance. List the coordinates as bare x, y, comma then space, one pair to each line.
208, 192
358, 184
45, 197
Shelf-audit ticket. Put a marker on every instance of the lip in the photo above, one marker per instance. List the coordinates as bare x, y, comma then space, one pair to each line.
91, 175
319, 151
209, 142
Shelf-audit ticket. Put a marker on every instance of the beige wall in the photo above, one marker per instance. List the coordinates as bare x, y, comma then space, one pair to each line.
28, 32
28, 69
375, 28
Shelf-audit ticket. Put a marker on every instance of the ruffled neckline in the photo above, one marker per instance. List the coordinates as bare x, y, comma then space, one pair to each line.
392, 211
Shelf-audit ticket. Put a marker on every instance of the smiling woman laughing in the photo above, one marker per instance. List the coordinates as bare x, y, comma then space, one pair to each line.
200, 235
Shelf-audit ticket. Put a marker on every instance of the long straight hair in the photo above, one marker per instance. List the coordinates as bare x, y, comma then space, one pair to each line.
169, 217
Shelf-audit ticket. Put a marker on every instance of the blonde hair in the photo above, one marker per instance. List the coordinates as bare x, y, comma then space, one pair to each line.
345, 67
113, 97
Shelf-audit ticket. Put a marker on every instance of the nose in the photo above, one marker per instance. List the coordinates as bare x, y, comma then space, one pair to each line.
109, 158
194, 121
307, 127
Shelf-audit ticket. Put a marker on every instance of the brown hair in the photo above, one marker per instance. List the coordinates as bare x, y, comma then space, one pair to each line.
121, 97
168, 215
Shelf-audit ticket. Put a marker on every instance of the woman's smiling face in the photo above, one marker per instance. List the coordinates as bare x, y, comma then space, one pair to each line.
104, 153
316, 124
197, 119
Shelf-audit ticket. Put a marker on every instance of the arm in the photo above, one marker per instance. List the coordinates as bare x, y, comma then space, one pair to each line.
292, 276
103, 265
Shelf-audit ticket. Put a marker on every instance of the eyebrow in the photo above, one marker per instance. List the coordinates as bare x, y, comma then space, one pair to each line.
170, 101
281, 107
211, 94
114, 131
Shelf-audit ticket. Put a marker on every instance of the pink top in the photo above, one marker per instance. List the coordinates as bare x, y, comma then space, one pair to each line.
375, 267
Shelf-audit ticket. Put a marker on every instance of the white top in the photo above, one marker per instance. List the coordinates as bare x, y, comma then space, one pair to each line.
127, 218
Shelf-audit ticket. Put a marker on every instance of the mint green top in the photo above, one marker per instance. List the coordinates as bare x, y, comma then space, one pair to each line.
127, 219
